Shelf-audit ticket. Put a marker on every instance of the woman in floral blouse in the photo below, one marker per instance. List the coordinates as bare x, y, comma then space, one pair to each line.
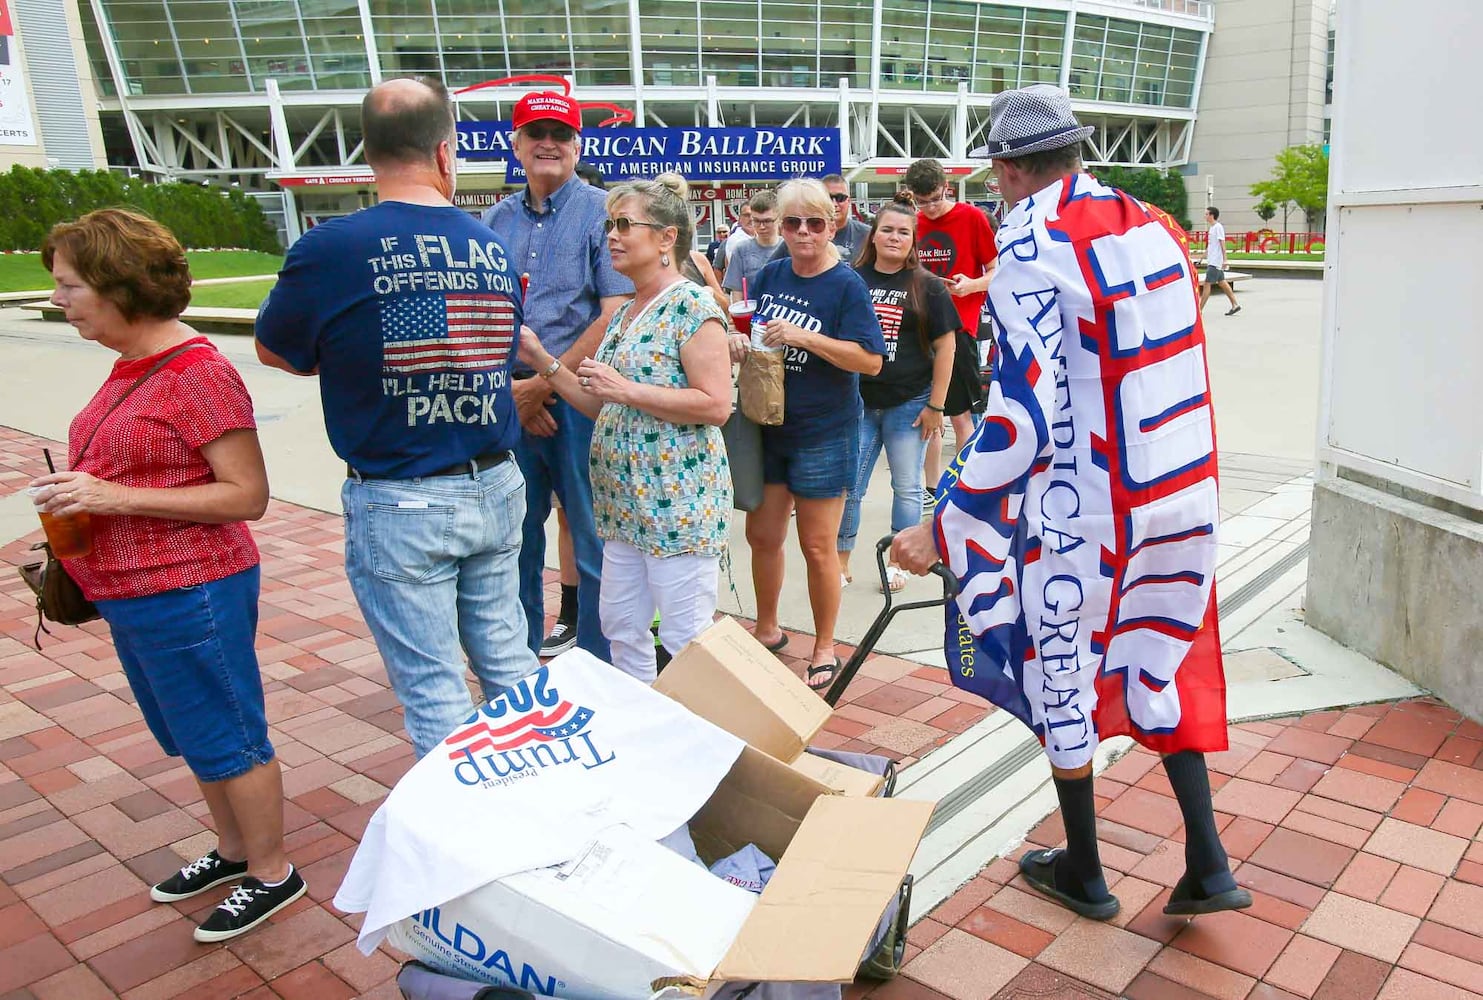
659, 389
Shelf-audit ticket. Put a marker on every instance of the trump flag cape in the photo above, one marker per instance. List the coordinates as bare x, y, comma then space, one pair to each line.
1081, 517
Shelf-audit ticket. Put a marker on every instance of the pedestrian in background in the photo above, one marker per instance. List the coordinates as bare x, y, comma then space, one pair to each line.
955, 243
165, 461
1215, 263
817, 310
714, 246
904, 400
850, 234
746, 260
693, 264
659, 389
554, 232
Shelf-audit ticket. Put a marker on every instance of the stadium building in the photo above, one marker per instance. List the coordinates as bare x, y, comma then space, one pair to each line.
264, 94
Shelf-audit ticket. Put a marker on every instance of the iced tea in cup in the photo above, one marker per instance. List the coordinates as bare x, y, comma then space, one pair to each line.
70, 537
741, 315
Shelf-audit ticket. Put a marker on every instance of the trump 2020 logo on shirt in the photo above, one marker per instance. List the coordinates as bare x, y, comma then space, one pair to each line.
520, 734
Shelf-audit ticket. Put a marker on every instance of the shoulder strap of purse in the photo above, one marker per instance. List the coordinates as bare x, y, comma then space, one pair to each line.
129, 391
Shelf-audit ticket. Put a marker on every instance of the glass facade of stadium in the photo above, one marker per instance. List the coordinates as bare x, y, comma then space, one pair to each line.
249, 91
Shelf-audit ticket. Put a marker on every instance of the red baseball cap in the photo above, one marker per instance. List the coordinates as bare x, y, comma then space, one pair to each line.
548, 106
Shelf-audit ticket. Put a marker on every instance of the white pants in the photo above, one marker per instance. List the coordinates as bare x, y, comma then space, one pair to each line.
635, 584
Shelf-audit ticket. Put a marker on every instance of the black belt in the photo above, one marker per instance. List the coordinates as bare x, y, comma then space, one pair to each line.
470, 468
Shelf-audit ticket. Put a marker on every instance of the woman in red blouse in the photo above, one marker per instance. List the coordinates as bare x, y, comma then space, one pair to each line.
165, 460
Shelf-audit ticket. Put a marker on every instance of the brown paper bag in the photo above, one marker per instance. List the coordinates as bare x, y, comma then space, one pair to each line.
760, 387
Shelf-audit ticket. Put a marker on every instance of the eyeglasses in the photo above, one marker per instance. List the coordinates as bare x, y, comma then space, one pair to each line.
762, 220
623, 224
839, 197
926, 202
792, 224
541, 131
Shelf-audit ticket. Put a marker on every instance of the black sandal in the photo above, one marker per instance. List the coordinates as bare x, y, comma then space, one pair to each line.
1039, 869
824, 668
1184, 903
777, 645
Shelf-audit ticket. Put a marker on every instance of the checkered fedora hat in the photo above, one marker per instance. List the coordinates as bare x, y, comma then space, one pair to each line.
1030, 120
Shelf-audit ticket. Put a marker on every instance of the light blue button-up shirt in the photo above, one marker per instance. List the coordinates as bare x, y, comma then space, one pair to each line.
565, 252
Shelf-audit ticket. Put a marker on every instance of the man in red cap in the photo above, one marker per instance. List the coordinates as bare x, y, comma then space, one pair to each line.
554, 234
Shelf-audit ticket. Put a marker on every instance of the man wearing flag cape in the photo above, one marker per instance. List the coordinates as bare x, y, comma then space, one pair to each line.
1080, 519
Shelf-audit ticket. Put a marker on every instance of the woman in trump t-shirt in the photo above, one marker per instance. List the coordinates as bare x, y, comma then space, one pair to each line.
816, 309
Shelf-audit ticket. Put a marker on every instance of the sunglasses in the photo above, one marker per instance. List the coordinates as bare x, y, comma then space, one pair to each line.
624, 224
839, 198
541, 131
793, 224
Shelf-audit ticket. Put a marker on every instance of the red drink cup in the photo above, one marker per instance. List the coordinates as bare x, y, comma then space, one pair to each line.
70, 537
741, 315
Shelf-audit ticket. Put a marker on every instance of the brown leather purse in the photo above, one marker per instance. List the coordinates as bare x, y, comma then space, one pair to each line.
58, 597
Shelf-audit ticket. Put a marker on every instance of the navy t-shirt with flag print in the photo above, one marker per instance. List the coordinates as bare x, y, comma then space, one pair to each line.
409, 313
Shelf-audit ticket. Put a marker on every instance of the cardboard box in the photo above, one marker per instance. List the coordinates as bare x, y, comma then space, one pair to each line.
839, 778
624, 913
730, 679
841, 856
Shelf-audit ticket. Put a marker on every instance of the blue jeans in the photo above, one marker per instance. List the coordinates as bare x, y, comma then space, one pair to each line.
433, 564
560, 464
905, 452
189, 657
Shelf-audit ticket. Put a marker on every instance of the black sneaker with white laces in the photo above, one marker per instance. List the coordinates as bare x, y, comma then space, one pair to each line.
562, 638
249, 904
204, 873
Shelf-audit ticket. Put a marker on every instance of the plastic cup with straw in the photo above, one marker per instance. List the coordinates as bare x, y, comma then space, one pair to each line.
70, 536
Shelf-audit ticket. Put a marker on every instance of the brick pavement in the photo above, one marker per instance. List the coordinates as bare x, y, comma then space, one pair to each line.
91, 811
1355, 830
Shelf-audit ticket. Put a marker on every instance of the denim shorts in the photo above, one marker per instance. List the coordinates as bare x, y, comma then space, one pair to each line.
814, 472
188, 655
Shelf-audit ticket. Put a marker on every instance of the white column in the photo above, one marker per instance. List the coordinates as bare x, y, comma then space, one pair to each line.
875, 80
636, 59
291, 216
846, 155
1066, 47
368, 32
278, 126
959, 143
712, 103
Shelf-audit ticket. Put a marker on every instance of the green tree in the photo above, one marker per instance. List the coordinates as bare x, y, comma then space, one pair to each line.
1265, 210
1164, 188
1300, 179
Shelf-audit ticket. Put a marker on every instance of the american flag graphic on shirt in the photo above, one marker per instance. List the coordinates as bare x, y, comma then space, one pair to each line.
889, 311
456, 331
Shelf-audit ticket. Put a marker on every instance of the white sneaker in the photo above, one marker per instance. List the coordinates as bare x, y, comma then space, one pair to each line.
562, 638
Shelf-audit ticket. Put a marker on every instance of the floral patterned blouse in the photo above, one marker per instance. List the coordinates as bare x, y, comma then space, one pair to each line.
663, 488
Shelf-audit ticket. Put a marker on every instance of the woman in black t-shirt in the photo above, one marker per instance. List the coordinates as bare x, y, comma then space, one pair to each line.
904, 403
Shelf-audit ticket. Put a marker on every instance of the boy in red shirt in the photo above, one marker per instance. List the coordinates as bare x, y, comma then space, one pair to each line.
956, 243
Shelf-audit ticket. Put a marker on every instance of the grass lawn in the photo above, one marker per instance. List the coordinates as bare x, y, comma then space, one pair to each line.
239, 295
22, 272
231, 263
1307, 258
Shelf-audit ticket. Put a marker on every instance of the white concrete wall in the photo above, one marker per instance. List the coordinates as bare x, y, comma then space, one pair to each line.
1262, 92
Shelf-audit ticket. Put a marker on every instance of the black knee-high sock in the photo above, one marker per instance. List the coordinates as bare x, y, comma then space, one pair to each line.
1079, 872
568, 611
1206, 865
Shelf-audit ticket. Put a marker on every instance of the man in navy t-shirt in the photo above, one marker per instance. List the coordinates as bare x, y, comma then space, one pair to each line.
408, 312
